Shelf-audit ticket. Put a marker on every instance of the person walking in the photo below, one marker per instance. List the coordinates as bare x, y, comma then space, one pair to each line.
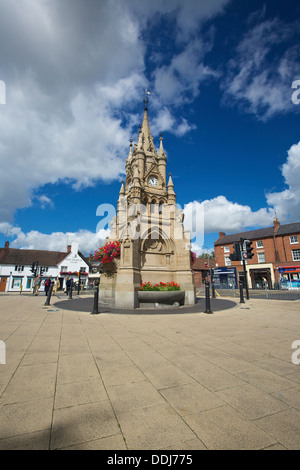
37, 283
68, 285
47, 284
56, 286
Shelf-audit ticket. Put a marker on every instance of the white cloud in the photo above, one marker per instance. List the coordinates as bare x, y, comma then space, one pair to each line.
286, 202
261, 73
223, 215
70, 70
219, 214
87, 241
179, 82
45, 201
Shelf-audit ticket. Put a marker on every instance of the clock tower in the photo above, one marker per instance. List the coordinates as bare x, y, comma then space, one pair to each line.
146, 168
154, 246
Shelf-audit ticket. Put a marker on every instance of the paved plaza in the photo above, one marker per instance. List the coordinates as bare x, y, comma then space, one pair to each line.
181, 380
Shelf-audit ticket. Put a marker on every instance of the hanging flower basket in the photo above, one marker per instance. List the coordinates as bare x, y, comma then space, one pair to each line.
193, 257
72, 273
108, 253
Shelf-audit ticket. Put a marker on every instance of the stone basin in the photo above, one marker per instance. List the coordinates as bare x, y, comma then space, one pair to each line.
157, 298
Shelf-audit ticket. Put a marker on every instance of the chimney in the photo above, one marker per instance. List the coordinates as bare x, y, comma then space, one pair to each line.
69, 248
6, 244
276, 225
222, 234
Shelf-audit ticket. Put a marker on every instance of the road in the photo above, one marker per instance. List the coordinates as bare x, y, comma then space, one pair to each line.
256, 294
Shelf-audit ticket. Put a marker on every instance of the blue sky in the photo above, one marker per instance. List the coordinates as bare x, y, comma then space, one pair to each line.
220, 73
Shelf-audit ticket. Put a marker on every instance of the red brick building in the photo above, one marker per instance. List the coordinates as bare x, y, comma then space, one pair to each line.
276, 257
202, 270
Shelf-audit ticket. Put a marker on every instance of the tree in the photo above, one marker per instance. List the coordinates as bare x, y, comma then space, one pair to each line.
207, 255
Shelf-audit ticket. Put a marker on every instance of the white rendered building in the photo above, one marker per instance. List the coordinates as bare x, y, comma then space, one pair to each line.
16, 267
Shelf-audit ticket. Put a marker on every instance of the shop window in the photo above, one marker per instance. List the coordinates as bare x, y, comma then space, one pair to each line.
296, 255
293, 239
16, 282
261, 257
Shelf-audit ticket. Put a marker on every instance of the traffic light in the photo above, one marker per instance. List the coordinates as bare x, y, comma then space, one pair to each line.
34, 268
249, 249
236, 256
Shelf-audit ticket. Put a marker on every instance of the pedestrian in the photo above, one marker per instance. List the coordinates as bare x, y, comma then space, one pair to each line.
56, 286
37, 283
68, 285
47, 284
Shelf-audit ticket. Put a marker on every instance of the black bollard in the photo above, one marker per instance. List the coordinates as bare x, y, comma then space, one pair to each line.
96, 299
207, 299
213, 290
49, 293
241, 294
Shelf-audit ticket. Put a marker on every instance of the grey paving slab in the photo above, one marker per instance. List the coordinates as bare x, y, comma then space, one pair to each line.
83, 423
191, 398
251, 402
224, 428
154, 427
171, 380
284, 427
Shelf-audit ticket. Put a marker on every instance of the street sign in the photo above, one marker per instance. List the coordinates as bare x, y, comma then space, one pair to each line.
245, 255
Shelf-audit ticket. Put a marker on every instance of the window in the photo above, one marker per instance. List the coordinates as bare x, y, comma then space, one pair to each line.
296, 255
19, 268
64, 269
293, 239
227, 261
16, 282
259, 244
261, 257
82, 269
226, 249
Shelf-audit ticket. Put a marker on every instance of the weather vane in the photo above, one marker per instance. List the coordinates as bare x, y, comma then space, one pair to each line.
146, 99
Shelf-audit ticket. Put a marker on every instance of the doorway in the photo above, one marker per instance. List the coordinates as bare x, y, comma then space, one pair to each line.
3, 284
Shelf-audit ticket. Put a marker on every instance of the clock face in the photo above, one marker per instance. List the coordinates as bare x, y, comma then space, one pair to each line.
152, 181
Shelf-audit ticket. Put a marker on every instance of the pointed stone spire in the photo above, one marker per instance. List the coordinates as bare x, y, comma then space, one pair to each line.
162, 160
130, 150
170, 182
171, 192
122, 190
161, 153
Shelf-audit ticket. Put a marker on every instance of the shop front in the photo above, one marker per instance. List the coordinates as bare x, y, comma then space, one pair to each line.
289, 277
225, 278
261, 278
